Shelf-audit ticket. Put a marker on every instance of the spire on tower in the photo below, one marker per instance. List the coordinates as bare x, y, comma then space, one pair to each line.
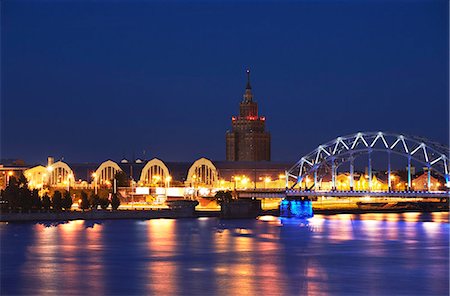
248, 96
248, 79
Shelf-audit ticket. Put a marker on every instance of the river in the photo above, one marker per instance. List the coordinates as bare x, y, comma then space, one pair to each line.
368, 254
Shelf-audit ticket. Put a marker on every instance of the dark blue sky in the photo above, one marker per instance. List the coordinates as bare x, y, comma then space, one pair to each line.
89, 81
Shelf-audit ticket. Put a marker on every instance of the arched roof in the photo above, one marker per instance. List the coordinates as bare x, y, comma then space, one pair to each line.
66, 172
61, 164
106, 164
149, 165
198, 163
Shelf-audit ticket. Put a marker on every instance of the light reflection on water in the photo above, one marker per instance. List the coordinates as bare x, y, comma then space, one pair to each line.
160, 269
377, 254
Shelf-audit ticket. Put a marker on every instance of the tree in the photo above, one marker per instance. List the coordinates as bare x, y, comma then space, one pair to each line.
223, 197
22, 182
11, 194
94, 201
17, 196
57, 201
84, 201
46, 202
67, 201
121, 179
104, 203
36, 203
25, 199
115, 201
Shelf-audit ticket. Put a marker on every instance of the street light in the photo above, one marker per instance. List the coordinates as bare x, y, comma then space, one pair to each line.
10, 173
280, 178
156, 179
306, 182
168, 179
94, 175
194, 178
69, 176
50, 174
44, 177
244, 181
236, 180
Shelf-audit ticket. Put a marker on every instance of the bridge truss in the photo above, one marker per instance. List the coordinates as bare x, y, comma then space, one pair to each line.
327, 158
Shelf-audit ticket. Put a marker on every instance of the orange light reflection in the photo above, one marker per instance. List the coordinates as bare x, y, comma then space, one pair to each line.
161, 243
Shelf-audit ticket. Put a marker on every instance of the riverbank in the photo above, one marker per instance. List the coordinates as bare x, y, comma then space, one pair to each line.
169, 214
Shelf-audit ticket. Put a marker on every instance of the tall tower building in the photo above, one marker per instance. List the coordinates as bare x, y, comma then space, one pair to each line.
248, 139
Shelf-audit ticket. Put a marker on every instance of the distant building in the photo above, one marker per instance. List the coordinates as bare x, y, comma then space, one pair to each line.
10, 168
200, 175
248, 139
421, 182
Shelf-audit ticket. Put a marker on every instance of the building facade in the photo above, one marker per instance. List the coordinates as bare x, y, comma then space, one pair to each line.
201, 174
248, 139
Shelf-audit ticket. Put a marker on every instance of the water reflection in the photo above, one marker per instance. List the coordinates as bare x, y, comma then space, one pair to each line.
341, 254
41, 263
160, 266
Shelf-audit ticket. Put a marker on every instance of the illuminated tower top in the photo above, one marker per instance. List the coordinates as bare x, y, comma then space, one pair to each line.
248, 109
248, 96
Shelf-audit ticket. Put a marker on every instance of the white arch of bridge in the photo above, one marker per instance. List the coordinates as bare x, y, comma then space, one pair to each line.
345, 149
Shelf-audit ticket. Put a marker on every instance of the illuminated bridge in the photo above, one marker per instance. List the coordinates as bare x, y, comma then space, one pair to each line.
340, 193
305, 177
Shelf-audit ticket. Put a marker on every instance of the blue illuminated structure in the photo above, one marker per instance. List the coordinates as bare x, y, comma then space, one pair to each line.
298, 208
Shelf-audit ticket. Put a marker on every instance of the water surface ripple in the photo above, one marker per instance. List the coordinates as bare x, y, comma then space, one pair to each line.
370, 254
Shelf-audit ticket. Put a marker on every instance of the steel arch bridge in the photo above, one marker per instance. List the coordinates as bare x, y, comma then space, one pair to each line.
327, 158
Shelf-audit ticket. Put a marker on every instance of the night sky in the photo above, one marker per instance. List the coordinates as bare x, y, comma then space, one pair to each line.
93, 80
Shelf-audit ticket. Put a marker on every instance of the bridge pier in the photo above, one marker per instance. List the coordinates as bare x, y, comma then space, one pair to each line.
296, 207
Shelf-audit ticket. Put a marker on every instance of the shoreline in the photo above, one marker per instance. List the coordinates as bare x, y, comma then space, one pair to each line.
170, 214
